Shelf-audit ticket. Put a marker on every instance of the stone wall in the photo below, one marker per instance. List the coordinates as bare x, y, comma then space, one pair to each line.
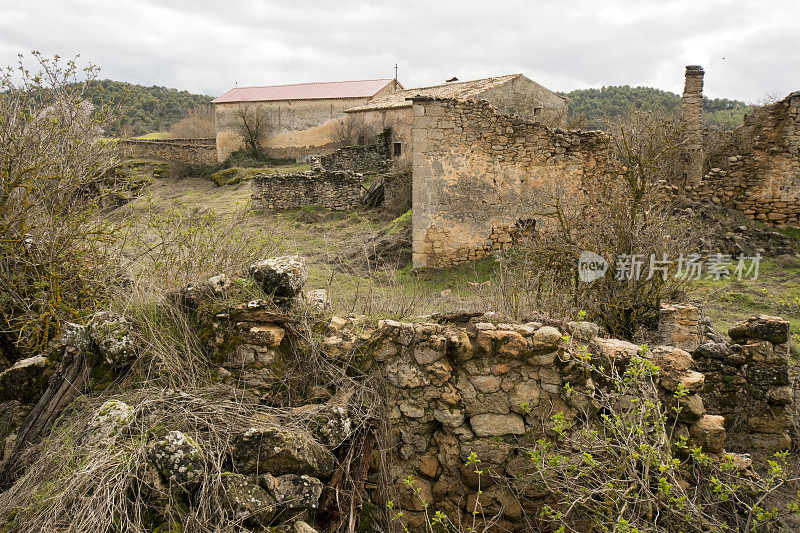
477, 173
180, 150
331, 189
762, 178
746, 378
358, 158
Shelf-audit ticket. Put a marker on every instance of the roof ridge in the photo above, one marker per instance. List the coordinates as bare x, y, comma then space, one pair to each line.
308, 83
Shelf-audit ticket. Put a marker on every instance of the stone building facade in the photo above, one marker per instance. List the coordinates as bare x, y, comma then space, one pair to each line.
761, 175
331, 189
300, 118
513, 93
478, 173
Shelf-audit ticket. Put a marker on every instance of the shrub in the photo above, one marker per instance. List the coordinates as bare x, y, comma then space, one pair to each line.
53, 257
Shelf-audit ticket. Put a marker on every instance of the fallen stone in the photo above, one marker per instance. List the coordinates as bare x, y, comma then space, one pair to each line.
246, 501
179, 460
490, 424
26, 380
280, 276
709, 432
111, 334
764, 327
293, 492
112, 417
303, 527
280, 451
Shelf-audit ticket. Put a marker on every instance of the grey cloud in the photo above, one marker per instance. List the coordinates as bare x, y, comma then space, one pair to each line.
206, 46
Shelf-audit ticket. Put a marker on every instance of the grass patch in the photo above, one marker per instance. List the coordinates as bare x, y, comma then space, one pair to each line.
155, 136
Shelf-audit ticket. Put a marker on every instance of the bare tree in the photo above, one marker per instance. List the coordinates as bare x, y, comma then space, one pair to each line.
252, 125
352, 132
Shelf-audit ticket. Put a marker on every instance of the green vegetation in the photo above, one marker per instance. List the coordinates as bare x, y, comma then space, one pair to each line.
595, 106
142, 109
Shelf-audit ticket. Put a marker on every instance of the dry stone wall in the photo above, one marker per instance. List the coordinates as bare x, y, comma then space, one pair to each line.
192, 151
331, 189
357, 158
763, 181
477, 173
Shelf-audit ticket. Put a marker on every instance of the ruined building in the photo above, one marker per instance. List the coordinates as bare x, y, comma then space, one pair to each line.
512, 93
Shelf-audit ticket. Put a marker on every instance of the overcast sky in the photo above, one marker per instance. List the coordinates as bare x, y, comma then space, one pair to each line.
749, 49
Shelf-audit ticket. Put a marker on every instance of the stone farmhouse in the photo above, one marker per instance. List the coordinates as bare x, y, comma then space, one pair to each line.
512, 94
300, 117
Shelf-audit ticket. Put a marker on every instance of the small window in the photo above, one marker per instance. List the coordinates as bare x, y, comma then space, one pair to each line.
398, 149
537, 111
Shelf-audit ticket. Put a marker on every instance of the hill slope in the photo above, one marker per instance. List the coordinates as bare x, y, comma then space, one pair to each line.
613, 101
144, 109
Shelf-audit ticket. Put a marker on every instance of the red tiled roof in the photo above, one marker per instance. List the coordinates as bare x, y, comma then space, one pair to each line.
306, 91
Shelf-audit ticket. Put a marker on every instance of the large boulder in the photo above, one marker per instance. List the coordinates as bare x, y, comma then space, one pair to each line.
246, 501
280, 451
26, 380
111, 334
179, 459
763, 327
282, 277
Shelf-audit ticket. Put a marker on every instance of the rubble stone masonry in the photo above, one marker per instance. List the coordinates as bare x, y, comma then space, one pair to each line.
692, 104
478, 174
764, 180
331, 189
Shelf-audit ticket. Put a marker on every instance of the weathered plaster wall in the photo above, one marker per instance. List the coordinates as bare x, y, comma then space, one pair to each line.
179, 150
331, 189
477, 172
764, 181
283, 117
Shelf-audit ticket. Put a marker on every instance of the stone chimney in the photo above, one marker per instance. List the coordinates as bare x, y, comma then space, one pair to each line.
692, 105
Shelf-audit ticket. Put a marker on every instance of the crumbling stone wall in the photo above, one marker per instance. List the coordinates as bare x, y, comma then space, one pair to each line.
332, 189
491, 388
191, 151
747, 378
763, 181
358, 158
477, 173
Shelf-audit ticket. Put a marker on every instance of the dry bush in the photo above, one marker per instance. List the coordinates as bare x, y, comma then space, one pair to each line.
353, 132
53, 261
175, 246
635, 473
197, 124
619, 215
